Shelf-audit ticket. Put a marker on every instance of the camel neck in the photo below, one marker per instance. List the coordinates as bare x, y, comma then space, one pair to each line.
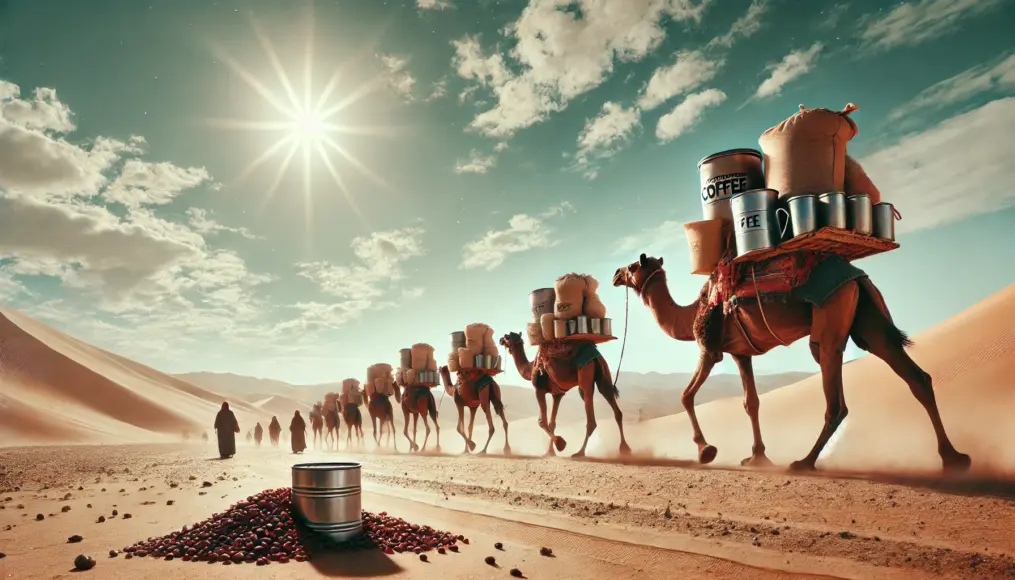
676, 321
521, 361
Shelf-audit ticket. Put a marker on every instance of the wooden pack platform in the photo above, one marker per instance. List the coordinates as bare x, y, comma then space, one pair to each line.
427, 385
846, 243
481, 371
593, 338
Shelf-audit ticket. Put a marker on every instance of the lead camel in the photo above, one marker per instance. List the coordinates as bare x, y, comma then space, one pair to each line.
854, 310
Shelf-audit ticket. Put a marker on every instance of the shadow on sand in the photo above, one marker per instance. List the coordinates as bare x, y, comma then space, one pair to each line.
354, 564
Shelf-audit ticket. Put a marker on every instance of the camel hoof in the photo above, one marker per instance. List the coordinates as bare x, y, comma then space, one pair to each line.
549, 453
472, 445
801, 466
625, 449
559, 443
760, 460
507, 450
706, 454
437, 449
578, 454
957, 463
483, 452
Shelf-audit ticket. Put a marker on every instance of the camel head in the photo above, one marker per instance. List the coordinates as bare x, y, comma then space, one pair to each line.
637, 273
511, 340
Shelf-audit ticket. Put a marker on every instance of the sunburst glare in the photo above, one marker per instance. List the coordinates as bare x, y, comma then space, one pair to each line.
307, 124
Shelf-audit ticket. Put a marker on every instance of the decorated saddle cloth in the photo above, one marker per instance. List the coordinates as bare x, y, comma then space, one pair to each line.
471, 384
579, 353
413, 395
378, 402
806, 276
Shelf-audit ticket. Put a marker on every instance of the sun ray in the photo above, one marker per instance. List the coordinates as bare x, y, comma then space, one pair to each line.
373, 130
308, 56
361, 92
339, 181
269, 50
355, 162
308, 203
253, 83
277, 178
239, 124
260, 159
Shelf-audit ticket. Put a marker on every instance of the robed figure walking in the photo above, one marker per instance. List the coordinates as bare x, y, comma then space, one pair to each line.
227, 428
258, 434
298, 430
273, 431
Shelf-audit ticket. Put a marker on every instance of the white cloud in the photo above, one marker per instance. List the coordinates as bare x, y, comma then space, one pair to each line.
433, 4
202, 222
832, 15
793, 65
439, 89
362, 286
656, 241
524, 233
500, 147
604, 134
145, 183
684, 116
917, 174
43, 112
476, 163
690, 71
398, 76
561, 56
743, 27
998, 75
913, 23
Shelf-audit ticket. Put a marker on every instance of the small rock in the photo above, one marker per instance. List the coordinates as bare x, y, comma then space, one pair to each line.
83, 562
516, 573
846, 535
441, 551
499, 546
775, 532
100, 520
206, 484
115, 513
39, 517
170, 502
490, 560
544, 551
88, 506
65, 509
127, 516
74, 539
113, 553
20, 506
2, 555
422, 557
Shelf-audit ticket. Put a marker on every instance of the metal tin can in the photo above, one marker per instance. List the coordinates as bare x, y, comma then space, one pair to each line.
832, 210
542, 302
457, 340
755, 224
327, 497
726, 174
578, 325
560, 328
596, 325
884, 221
803, 214
858, 214
607, 325
405, 355
477, 361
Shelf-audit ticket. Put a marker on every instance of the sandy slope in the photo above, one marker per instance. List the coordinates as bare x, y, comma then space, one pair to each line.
601, 520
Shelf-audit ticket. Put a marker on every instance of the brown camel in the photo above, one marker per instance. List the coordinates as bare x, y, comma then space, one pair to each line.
317, 422
382, 415
855, 310
418, 401
560, 376
466, 395
331, 421
349, 405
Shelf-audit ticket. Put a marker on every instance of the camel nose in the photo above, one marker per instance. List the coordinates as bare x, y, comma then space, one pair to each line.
618, 277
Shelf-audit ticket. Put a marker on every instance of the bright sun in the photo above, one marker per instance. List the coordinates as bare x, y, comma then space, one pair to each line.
305, 123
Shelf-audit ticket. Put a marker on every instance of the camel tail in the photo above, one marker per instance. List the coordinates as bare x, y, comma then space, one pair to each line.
498, 405
432, 406
604, 381
872, 307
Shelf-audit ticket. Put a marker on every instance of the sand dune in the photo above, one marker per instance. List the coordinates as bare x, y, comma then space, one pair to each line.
54, 388
971, 358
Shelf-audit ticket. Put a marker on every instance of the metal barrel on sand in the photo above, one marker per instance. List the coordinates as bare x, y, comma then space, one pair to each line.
328, 498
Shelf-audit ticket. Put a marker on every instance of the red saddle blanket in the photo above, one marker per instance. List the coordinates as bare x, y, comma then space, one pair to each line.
778, 275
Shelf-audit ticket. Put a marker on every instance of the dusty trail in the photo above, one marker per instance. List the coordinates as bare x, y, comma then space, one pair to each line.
601, 519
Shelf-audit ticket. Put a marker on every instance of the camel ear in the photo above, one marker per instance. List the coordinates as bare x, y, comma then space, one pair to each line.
660, 260
642, 258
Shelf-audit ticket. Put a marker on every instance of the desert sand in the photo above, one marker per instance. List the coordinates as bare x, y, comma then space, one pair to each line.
878, 508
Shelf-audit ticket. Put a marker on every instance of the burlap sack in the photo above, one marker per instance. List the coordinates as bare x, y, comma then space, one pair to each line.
475, 334
410, 376
546, 326
330, 400
383, 386
591, 286
534, 332
421, 355
806, 153
594, 307
431, 363
467, 358
857, 182
453, 362
489, 344
570, 290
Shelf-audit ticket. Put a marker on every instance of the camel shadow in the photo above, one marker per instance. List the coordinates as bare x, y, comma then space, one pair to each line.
354, 564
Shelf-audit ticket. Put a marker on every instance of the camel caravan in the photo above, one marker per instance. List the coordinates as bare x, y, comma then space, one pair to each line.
780, 230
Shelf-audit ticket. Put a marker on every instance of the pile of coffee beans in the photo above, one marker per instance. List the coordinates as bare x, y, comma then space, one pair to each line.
262, 529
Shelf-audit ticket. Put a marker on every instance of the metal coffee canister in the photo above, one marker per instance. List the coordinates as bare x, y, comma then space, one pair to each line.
884, 215
595, 325
607, 327
542, 302
327, 497
578, 325
858, 214
803, 214
726, 174
457, 340
832, 210
560, 328
406, 358
755, 220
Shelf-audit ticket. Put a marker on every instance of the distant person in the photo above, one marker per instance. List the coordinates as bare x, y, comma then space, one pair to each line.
274, 429
298, 428
204, 436
258, 434
227, 428
249, 436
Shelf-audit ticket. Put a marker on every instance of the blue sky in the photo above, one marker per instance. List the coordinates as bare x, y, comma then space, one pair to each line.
484, 149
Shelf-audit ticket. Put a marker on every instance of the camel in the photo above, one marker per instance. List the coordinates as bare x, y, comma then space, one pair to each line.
382, 414
317, 422
855, 310
559, 377
465, 395
353, 422
331, 421
418, 401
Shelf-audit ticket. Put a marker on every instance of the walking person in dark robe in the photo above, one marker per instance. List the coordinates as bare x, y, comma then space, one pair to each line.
298, 428
274, 429
227, 428
250, 436
258, 434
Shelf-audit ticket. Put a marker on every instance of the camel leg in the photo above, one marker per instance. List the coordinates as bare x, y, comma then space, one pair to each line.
706, 452
557, 441
472, 423
541, 401
460, 427
751, 406
489, 423
878, 341
426, 425
415, 430
405, 430
586, 382
604, 382
830, 326
498, 407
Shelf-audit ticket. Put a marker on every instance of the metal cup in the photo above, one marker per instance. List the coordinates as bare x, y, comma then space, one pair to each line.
858, 214
832, 210
884, 216
803, 214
